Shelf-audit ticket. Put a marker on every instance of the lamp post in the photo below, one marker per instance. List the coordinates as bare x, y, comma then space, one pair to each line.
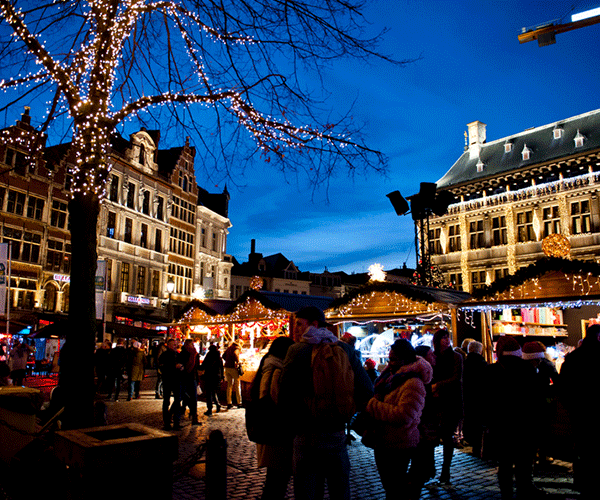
170, 289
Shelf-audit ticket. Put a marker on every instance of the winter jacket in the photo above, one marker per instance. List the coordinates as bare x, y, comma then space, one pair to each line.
232, 356
397, 414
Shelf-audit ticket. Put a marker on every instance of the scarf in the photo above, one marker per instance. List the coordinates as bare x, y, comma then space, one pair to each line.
314, 335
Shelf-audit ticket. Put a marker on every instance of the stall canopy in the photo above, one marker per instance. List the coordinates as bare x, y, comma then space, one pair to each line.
550, 281
383, 300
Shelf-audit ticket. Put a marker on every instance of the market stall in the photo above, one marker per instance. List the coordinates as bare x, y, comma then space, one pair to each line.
380, 312
552, 300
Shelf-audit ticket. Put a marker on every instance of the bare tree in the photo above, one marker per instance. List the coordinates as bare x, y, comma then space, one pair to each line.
230, 73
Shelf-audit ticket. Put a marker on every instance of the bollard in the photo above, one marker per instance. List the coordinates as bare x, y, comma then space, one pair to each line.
216, 466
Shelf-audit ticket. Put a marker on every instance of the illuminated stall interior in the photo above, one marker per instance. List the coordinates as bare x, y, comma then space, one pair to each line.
552, 300
380, 312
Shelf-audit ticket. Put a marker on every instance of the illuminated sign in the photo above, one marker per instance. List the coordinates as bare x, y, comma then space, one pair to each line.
62, 277
138, 300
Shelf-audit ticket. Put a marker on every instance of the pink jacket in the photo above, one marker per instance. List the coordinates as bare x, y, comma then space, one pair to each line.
397, 417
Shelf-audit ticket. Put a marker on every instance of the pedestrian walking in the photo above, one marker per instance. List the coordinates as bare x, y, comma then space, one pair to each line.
446, 388
189, 359
17, 362
102, 365
396, 410
212, 367
136, 369
266, 423
118, 361
171, 372
475, 383
320, 454
231, 357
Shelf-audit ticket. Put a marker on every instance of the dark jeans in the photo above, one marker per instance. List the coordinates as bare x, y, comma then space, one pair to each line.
392, 465
320, 458
171, 389
276, 483
114, 384
190, 398
211, 388
134, 388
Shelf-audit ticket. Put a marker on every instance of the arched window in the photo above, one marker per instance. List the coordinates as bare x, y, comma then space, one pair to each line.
142, 157
50, 296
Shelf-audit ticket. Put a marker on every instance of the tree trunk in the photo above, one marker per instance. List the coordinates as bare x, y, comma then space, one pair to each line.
77, 369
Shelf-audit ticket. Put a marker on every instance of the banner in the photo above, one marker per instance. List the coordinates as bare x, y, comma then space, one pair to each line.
3, 276
100, 288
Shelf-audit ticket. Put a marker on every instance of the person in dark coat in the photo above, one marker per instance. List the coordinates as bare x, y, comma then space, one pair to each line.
102, 365
271, 433
212, 377
189, 359
474, 386
371, 369
118, 360
171, 373
513, 413
446, 389
579, 380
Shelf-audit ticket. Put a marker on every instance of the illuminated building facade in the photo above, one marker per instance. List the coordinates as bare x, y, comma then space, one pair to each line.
513, 194
150, 229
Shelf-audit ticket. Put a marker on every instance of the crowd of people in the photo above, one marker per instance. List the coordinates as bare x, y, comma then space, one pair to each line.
424, 397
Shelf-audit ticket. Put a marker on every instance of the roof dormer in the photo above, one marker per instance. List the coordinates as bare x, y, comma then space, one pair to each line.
579, 138
508, 146
557, 132
526, 153
480, 165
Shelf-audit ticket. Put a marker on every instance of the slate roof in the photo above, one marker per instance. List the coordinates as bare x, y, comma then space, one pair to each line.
544, 148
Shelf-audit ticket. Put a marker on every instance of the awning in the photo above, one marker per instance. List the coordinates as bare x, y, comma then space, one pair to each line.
128, 331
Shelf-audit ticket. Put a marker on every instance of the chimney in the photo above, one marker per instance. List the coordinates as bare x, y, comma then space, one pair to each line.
476, 138
252, 246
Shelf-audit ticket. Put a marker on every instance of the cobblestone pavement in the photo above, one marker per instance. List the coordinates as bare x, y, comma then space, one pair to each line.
472, 478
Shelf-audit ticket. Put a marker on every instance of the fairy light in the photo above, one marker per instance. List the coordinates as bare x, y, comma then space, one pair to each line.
87, 80
376, 272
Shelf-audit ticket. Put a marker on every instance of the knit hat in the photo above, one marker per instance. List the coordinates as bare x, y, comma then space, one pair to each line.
349, 338
534, 350
370, 363
508, 346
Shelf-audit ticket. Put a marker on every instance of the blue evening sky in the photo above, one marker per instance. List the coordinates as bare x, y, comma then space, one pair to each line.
471, 67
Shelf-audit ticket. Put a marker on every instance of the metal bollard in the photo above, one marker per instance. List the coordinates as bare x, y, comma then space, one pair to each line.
216, 466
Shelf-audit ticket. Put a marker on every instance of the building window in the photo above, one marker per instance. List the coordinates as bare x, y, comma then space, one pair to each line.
141, 281
477, 279
526, 153
31, 247
435, 246
144, 235
454, 243
525, 227
214, 242
111, 224
580, 217
131, 195
16, 202
35, 208
128, 230
155, 283
557, 133
58, 257
109, 274
58, 215
158, 241
551, 219
146, 203
203, 238
500, 273
142, 156
579, 139
17, 161
113, 193
476, 239
508, 147
160, 207
499, 232
124, 285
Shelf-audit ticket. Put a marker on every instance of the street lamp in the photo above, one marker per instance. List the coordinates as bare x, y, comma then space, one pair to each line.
170, 289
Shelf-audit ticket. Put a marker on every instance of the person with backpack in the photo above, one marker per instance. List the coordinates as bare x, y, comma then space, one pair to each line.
322, 386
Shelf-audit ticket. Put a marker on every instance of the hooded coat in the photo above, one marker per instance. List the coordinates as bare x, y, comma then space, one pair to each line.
397, 414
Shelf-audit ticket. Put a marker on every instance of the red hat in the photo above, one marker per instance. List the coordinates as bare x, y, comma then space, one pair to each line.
534, 350
370, 363
508, 346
